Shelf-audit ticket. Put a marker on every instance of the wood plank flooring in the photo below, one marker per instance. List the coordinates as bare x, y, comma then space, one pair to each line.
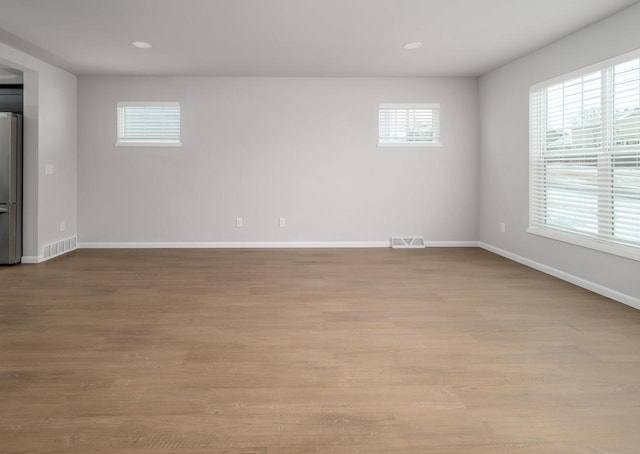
371, 351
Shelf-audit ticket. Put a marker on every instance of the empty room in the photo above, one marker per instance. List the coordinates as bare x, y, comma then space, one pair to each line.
305, 226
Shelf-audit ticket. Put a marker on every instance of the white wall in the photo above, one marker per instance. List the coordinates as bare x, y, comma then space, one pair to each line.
50, 137
58, 133
263, 148
504, 152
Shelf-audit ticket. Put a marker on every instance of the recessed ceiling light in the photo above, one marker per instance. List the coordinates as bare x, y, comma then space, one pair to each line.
412, 45
141, 44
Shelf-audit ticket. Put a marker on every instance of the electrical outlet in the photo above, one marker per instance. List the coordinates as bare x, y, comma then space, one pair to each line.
48, 169
239, 222
503, 227
282, 222
63, 226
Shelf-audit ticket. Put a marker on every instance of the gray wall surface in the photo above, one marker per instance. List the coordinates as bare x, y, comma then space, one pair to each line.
263, 148
504, 151
57, 193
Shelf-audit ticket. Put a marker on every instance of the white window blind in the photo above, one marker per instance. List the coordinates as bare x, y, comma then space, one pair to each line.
409, 125
585, 158
148, 124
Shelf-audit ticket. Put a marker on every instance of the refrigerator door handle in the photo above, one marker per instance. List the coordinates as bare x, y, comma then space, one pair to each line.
4, 210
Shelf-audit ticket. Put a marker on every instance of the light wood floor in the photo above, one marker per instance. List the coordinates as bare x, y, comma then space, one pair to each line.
311, 351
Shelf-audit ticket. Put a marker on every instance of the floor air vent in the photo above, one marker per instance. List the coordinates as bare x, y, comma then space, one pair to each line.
59, 247
407, 242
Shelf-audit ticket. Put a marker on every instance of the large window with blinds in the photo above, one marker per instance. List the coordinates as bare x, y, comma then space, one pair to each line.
149, 124
411, 125
585, 157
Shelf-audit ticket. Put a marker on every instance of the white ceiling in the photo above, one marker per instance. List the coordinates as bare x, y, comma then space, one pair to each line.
291, 37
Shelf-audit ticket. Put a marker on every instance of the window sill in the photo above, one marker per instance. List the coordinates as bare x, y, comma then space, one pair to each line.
629, 252
148, 144
410, 145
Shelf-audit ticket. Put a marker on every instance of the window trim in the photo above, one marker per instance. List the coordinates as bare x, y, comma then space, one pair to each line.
557, 233
425, 105
629, 252
123, 142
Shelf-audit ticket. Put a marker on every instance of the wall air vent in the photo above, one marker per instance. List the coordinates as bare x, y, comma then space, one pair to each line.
59, 247
407, 242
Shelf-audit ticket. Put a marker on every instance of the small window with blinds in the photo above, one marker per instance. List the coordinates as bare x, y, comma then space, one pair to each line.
585, 157
149, 124
409, 125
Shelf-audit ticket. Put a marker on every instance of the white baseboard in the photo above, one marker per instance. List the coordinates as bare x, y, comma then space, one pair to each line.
27, 259
596, 288
451, 243
233, 244
259, 244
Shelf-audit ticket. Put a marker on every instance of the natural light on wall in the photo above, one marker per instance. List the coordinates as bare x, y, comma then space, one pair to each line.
585, 157
149, 124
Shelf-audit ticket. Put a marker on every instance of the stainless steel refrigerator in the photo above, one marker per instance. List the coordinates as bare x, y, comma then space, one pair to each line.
10, 188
